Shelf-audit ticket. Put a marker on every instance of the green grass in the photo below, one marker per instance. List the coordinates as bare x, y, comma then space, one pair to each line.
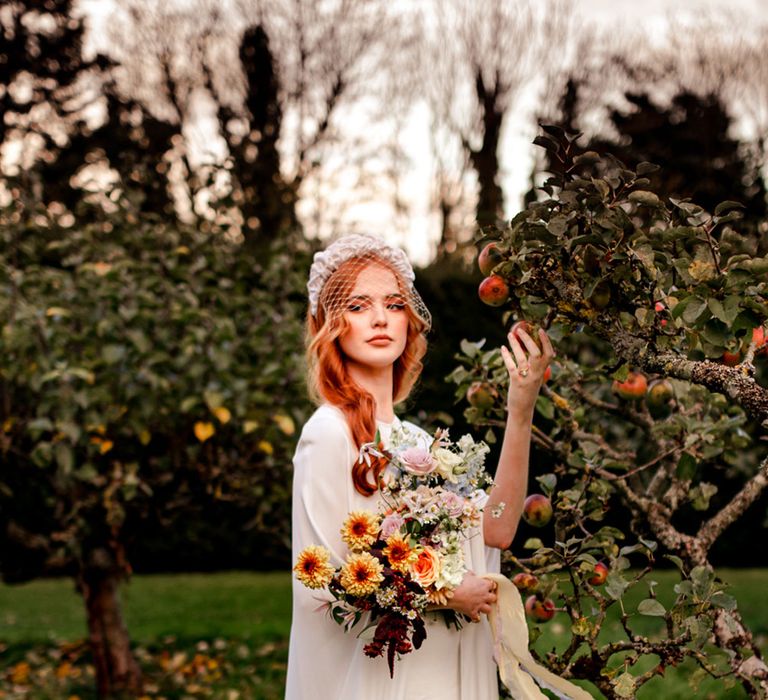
206, 635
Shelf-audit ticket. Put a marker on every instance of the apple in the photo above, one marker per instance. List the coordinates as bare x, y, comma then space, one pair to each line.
547, 373
540, 610
493, 291
537, 510
530, 329
525, 582
731, 358
659, 308
633, 387
481, 395
759, 339
489, 257
659, 394
599, 575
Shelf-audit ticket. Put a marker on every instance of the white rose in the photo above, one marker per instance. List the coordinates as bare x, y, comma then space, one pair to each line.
448, 463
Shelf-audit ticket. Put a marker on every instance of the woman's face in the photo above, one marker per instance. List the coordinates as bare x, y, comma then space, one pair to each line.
377, 318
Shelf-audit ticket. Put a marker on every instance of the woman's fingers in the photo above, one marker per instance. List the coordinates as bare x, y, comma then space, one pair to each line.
546, 344
520, 359
530, 343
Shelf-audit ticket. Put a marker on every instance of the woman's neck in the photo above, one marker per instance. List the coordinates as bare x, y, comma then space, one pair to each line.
377, 381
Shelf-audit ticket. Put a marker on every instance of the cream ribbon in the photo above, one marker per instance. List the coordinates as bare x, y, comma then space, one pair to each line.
517, 667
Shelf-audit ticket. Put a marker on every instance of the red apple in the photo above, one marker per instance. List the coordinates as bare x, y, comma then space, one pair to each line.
633, 387
731, 358
489, 257
537, 510
525, 582
481, 395
540, 610
493, 290
531, 329
547, 373
759, 338
599, 575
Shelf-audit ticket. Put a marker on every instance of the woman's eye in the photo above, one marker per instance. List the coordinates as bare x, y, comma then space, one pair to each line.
397, 307
354, 307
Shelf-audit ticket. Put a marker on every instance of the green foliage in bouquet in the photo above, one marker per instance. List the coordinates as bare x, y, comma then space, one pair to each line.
651, 420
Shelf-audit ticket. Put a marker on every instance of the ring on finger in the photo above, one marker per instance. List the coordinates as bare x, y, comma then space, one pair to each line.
523, 370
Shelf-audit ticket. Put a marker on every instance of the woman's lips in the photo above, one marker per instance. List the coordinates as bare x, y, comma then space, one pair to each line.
380, 340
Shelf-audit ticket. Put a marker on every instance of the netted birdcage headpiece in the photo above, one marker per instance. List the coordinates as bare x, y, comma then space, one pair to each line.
336, 269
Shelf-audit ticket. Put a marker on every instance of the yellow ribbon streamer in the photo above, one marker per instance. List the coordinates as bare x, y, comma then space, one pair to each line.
517, 667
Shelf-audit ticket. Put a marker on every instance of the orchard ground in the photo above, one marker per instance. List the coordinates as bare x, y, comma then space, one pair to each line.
225, 636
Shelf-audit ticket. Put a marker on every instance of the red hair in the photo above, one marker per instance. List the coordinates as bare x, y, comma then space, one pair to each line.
328, 377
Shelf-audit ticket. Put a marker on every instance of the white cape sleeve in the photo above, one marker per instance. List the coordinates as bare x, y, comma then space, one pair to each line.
319, 648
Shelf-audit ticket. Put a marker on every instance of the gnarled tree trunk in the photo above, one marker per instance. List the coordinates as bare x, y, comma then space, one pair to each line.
116, 669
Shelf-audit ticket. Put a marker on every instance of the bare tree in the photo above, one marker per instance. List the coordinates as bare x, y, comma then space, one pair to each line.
482, 61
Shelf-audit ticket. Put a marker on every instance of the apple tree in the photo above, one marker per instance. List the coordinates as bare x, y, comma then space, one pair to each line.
652, 422
145, 368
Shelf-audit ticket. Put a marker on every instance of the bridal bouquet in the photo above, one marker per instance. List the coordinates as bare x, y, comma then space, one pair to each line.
409, 554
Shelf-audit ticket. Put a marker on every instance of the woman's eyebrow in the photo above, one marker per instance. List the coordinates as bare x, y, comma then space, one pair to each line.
368, 297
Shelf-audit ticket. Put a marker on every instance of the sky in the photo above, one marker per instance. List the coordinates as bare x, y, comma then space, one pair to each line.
418, 229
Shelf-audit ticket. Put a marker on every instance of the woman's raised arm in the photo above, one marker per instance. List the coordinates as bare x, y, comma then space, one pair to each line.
526, 364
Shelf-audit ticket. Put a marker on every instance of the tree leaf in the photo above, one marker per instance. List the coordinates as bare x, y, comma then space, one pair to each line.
726, 206
693, 310
652, 607
624, 685
645, 198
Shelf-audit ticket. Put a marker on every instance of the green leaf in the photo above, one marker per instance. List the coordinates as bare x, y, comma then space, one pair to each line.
545, 407
587, 158
700, 495
644, 197
113, 353
533, 543
615, 585
64, 457
726, 206
652, 607
624, 685
718, 310
471, 349
621, 374
645, 168
694, 309
723, 600
548, 483
40, 424
686, 467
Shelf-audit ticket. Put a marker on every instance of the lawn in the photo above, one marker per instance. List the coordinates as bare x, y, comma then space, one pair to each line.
224, 636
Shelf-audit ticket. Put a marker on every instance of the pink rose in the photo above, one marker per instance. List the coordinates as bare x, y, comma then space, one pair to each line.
391, 524
418, 461
453, 503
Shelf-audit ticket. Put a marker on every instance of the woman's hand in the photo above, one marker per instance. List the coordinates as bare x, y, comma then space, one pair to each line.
475, 595
526, 364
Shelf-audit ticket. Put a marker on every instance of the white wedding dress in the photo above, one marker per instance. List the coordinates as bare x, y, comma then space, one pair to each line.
324, 662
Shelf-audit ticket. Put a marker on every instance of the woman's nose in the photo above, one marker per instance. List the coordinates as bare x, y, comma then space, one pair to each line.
379, 317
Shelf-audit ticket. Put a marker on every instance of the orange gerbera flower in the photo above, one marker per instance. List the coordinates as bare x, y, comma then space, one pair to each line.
399, 553
362, 574
360, 530
313, 567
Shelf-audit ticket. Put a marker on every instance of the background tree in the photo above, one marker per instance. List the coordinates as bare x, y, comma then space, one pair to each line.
629, 284
144, 372
475, 81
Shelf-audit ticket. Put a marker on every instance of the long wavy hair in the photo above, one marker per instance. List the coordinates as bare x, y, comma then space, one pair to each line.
328, 376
